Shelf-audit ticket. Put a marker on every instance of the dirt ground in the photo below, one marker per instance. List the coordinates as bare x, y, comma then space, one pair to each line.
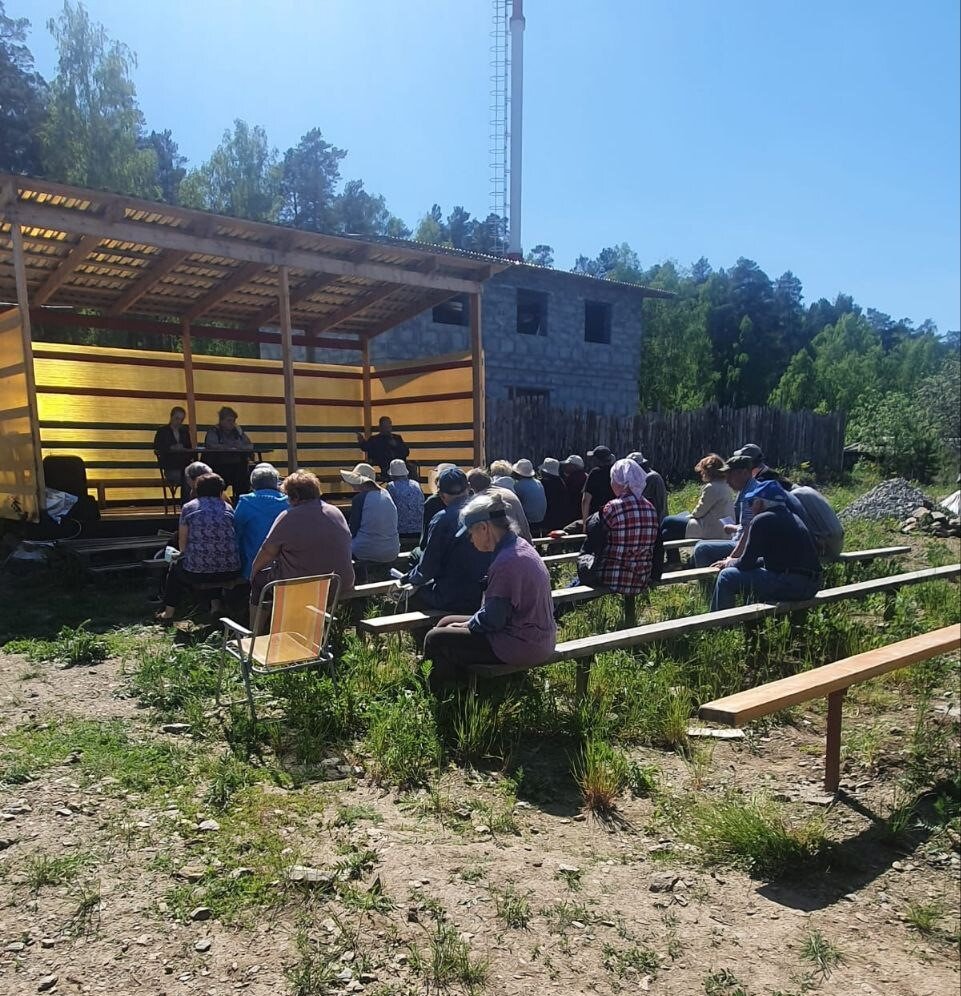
717, 932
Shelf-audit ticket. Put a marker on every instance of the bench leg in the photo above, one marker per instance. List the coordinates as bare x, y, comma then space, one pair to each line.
582, 679
887, 613
630, 611
832, 753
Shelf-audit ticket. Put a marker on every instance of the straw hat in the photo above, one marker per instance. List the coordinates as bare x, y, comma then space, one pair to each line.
551, 466
360, 475
398, 468
523, 468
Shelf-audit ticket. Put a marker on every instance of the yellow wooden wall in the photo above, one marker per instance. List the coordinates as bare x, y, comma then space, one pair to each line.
104, 404
19, 461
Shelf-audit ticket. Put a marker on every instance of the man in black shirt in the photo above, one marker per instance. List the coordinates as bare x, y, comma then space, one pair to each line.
779, 563
383, 446
597, 487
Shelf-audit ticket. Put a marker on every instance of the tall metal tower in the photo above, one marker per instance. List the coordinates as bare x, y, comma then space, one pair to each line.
499, 118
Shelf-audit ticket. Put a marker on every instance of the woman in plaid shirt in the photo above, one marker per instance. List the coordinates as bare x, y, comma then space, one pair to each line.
631, 525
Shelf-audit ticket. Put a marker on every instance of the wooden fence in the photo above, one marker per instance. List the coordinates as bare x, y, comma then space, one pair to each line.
672, 441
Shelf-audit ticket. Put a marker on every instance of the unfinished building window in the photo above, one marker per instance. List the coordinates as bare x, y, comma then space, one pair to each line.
597, 322
531, 312
452, 312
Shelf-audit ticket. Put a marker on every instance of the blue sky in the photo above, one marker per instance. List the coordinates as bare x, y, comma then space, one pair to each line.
821, 137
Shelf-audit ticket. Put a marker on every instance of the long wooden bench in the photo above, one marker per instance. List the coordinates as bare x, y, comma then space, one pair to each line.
411, 621
404, 622
586, 648
831, 682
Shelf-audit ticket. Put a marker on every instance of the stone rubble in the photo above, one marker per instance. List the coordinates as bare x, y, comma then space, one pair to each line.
891, 499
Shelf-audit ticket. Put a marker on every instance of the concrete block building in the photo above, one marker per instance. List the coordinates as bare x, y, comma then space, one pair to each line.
571, 339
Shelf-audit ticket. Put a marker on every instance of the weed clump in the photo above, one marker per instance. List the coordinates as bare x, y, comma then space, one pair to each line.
601, 771
753, 833
403, 740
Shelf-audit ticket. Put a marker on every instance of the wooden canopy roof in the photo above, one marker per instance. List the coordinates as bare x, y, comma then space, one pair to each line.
120, 256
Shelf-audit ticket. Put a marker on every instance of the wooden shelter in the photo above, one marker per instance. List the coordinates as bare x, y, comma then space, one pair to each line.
90, 259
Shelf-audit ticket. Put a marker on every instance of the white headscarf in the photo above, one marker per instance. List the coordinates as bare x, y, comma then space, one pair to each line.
628, 474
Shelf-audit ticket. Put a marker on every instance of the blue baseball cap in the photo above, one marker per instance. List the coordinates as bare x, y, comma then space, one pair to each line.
452, 482
768, 490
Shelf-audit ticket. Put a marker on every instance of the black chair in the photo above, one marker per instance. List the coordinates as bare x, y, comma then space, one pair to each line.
69, 473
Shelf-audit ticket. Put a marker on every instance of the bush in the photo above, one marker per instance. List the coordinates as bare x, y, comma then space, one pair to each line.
601, 771
898, 433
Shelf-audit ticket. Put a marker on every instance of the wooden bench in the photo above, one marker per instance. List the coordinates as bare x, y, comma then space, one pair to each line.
411, 621
586, 648
540, 543
831, 682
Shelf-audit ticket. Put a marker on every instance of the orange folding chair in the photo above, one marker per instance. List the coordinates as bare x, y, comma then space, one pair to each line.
294, 618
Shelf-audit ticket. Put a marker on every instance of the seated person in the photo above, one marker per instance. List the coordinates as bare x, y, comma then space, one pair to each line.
709, 552
256, 511
433, 504
515, 623
310, 537
557, 514
530, 491
760, 471
171, 444
779, 563
501, 473
228, 448
408, 499
208, 547
193, 472
597, 487
373, 523
625, 533
574, 477
715, 502
449, 574
480, 483
655, 490
383, 446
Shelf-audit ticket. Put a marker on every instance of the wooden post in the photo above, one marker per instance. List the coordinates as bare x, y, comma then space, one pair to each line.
290, 391
188, 354
832, 753
365, 386
23, 300
477, 376
582, 679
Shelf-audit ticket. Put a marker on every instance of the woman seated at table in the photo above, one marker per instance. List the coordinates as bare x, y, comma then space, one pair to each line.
227, 449
515, 623
208, 548
715, 503
171, 444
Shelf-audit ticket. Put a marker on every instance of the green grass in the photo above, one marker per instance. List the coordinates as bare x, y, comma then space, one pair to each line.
723, 983
633, 959
753, 833
513, 908
924, 917
446, 960
821, 953
601, 772
45, 869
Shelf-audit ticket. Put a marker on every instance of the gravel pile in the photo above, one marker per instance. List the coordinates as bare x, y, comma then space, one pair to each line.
894, 499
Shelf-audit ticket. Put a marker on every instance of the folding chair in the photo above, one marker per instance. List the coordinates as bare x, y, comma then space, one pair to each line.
300, 612
170, 492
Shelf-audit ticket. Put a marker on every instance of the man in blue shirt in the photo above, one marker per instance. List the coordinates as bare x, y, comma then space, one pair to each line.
779, 562
449, 574
256, 511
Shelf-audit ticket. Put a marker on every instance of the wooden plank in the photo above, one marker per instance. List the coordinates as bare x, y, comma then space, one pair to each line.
166, 237
876, 554
189, 388
26, 336
73, 259
167, 262
741, 708
299, 294
290, 388
407, 313
243, 275
477, 378
401, 623
352, 308
365, 387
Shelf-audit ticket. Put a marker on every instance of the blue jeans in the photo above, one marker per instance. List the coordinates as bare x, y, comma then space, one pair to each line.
709, 552
674, 527
760, 585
